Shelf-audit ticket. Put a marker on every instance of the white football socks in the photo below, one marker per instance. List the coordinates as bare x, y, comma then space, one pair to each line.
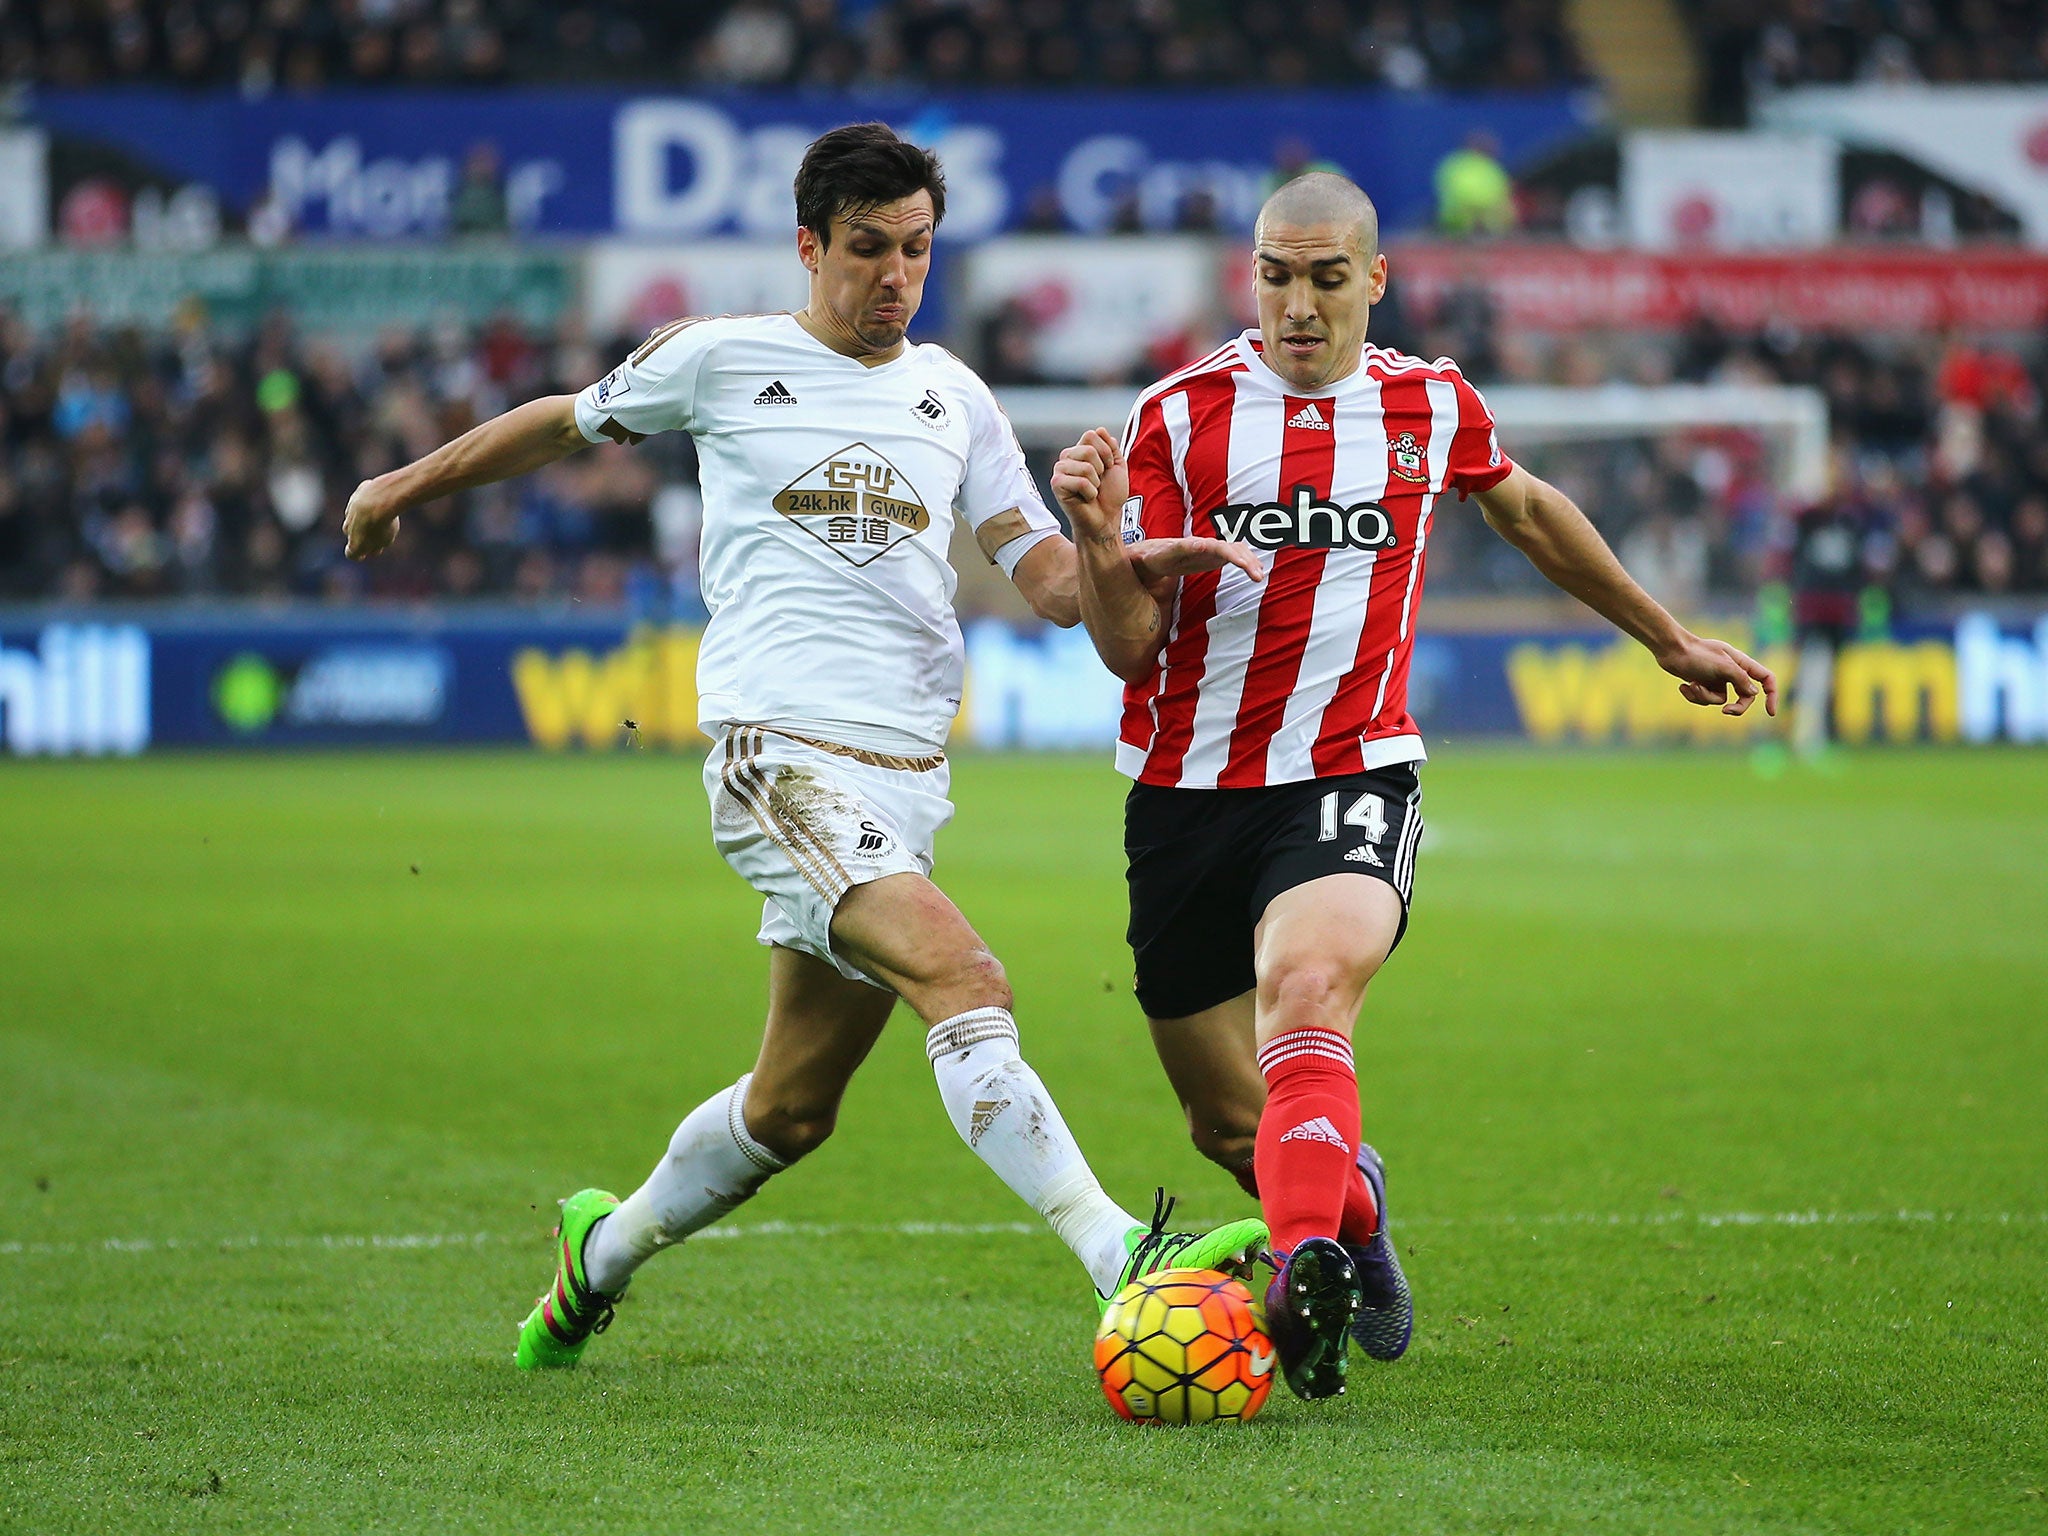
1003, 1112
996, 1102
713, 1164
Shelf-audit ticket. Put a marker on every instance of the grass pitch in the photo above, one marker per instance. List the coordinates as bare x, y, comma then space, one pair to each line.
1713, 1106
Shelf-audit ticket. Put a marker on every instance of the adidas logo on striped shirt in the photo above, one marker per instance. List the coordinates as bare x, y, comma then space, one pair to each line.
1309, 418
1318, 1129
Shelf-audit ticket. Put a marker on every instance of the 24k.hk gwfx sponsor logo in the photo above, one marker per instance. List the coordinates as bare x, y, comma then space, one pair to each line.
1306, 521
856, 503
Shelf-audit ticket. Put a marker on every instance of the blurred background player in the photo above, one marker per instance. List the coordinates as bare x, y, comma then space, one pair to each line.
834, 456
1274, 824
1836, 549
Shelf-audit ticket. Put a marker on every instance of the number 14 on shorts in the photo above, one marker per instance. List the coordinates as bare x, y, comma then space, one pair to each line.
1368, 813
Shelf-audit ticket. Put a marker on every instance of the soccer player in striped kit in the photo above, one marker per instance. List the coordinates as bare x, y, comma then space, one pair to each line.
1273, 827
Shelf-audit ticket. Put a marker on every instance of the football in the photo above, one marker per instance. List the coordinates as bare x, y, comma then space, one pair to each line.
1184, 1346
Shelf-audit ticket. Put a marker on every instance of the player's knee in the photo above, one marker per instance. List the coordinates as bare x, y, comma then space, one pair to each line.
978, 975
1319, 992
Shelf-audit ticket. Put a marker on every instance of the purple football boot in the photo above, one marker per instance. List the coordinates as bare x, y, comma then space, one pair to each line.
1309, 1304
1386, 1314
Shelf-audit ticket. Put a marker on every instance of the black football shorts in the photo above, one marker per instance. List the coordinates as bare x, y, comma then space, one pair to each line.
1205, 862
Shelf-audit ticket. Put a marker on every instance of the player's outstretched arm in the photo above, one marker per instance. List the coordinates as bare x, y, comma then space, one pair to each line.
1050, 582
1122, 591
1561, 542
522, 440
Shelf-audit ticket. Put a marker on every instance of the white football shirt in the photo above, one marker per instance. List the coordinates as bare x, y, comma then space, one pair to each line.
830, 489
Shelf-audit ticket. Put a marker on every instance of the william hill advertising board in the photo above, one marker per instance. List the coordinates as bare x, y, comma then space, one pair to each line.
91, 687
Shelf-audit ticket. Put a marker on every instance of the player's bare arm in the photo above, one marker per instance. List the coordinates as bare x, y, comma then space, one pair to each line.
1123, 592
1561, 542
1049, 575
522, 440
1049, 578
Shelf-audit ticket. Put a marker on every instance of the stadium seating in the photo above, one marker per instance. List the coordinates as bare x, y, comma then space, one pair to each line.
1748, 46
194, 463
263, 45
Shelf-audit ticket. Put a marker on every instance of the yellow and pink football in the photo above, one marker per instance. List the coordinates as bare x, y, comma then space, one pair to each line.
1184, 1346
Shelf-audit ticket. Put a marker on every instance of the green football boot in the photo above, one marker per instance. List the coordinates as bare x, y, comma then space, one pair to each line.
561, 1323
1230, 1248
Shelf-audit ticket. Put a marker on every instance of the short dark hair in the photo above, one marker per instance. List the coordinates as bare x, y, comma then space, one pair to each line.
862, 166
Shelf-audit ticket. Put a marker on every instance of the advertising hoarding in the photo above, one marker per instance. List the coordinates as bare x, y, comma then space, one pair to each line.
83, 686
359, 291
1729, 191
1556, 288
633, 286
1991, 139
385, 164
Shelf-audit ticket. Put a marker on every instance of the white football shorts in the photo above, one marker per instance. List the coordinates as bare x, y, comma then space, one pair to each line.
803, 821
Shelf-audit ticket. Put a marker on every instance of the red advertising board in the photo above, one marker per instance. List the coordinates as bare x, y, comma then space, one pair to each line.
1557, 287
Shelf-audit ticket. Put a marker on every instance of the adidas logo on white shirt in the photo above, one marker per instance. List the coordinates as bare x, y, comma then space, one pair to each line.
775, 394
1363, 855
1310, 418
1318, 1129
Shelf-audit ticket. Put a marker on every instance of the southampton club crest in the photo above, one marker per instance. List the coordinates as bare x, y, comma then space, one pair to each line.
1407, 458
856, 503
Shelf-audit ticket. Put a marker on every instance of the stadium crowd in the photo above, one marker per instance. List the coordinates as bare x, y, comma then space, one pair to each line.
186, 463
1748, 46
263, 45
180, 463
1938, 459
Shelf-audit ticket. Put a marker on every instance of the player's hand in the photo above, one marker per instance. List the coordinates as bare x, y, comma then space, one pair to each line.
1159, 564
1714, 672
1092, 484
368, 524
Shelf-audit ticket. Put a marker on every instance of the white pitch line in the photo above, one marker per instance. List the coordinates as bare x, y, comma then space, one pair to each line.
1620, 1219
480, 1239
1814, 1218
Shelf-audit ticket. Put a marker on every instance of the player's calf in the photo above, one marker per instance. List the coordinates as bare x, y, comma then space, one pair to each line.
791, 1125
1308, 1135
714, 1164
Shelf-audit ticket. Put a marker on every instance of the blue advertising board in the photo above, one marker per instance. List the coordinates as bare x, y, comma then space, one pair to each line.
91, 685
384, 164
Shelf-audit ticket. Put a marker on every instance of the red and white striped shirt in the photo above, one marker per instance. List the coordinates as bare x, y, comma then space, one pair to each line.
1305, 675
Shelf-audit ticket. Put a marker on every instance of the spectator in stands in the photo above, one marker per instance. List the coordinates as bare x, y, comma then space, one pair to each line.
755, 43
1474, 193
1294, 157
478, 207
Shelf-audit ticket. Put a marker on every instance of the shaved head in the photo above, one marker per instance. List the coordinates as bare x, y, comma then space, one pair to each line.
1317, 273
1323, 198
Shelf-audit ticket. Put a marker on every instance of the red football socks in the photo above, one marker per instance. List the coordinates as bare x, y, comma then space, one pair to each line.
1307, 1158
1361, 1212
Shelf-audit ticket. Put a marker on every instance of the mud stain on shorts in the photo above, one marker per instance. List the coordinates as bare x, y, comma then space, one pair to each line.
814, 803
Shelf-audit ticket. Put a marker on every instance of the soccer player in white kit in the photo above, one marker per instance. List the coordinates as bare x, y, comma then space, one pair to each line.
834, 459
